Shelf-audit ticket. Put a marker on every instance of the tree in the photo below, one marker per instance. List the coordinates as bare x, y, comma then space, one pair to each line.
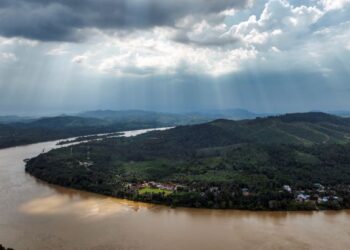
4, 248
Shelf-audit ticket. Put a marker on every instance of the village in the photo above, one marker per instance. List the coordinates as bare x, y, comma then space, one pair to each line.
152, 187
317, 195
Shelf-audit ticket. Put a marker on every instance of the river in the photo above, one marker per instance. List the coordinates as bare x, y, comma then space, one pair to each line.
38, 216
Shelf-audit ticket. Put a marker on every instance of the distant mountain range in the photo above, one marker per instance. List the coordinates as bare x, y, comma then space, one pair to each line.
14, 118
177, 118
156, 117
341, 113
231, 114
143, 116
140, 116
15, 130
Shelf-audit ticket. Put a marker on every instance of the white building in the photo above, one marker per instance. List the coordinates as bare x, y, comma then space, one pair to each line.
287, 188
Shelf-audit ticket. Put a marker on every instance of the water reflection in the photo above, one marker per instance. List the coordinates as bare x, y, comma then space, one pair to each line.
84, 204
58, 204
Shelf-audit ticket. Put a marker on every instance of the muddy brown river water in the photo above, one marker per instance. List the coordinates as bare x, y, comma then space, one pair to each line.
38, 216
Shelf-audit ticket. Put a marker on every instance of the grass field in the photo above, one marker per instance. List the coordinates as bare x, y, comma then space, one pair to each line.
154, 191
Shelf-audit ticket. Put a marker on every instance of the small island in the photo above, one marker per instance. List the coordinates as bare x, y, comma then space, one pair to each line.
288, 162
88, 138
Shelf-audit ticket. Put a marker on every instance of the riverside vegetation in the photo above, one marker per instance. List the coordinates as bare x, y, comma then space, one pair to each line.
289, 162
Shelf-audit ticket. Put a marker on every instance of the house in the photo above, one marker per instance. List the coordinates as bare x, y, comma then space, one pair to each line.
128, 185
245, 192
303, 197
337, 198
325, 199
152, 184
320, 188
169, 187
163, 186
179, 187
287, 188
86, 163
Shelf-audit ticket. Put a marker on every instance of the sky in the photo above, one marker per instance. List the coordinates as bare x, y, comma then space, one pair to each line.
174, 56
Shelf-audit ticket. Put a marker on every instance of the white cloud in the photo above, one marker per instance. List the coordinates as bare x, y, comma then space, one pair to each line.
275, 49
282, 36
278, 18
329, 5
79, 59
7, 57
228, 12
255, 37
58, 51
276, 32
4, 41
153, 53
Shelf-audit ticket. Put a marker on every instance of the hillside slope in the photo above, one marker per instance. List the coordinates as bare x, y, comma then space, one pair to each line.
289, 162
306, 129
60, 127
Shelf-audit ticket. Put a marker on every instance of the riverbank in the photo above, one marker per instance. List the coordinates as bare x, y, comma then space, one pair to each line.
164, 196
222, 164
35, 215
116, 168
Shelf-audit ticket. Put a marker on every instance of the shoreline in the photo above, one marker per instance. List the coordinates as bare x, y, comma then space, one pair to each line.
37, 209
147, 204
151, 198
68, 138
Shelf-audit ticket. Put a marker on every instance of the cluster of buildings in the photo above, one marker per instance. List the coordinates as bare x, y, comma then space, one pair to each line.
153, 184
319, 194
86, 163
162, 186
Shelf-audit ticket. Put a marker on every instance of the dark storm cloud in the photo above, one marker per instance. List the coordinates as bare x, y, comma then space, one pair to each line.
61, 20
182, 37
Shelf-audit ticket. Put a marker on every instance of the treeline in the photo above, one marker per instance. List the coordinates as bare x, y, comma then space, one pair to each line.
261, 169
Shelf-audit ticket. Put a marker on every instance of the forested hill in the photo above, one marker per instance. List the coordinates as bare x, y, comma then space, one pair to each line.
288, 162
303, 128
16, 131
306, 128
60, 127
